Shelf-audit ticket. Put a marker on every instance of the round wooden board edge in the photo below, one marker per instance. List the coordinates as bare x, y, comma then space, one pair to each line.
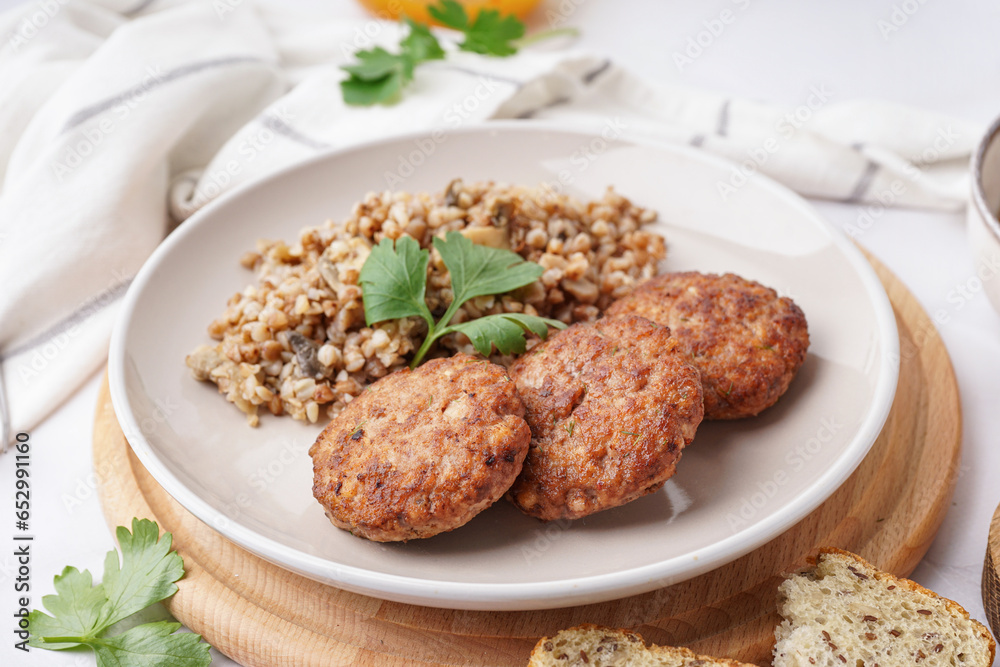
991, 575
228, 628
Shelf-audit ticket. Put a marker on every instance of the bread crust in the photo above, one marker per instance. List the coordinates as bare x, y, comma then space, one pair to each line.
747, 342
611, 406
910, 585
546, 653
421, 452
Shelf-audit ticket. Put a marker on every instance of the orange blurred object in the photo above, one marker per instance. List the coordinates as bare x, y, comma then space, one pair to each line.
417, 9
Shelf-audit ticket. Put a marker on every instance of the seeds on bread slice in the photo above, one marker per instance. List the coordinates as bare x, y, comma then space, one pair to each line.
597, 646
843, 611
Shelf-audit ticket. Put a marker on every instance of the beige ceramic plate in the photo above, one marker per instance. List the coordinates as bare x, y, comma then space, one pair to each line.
738, 485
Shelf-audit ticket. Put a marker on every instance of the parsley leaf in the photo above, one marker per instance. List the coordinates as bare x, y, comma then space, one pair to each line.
421, 45
380, 76
83, 612
449, 13
366, 93
152, 644
394, 279
378, 63
478, 270
505, 330
147, 573
490, 33
76, 609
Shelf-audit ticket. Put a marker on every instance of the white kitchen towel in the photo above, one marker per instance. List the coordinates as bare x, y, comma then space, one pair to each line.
120, 118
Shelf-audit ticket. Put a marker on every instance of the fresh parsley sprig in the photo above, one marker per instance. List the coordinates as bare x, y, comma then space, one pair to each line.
490, 33
82, 613
379, 76
394, 281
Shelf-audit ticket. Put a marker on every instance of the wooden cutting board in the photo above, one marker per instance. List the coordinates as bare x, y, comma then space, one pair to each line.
261, 615
991, 575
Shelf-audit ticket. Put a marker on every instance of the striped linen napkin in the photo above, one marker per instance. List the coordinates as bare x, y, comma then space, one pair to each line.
120, 121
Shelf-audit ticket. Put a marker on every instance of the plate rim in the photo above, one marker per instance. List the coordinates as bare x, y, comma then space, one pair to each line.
526, 595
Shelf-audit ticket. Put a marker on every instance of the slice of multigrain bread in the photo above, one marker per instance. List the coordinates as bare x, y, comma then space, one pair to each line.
843, 611
596, 646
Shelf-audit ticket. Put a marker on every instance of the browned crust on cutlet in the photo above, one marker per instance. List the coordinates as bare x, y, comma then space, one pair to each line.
747, 341
421, 452
610, 407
